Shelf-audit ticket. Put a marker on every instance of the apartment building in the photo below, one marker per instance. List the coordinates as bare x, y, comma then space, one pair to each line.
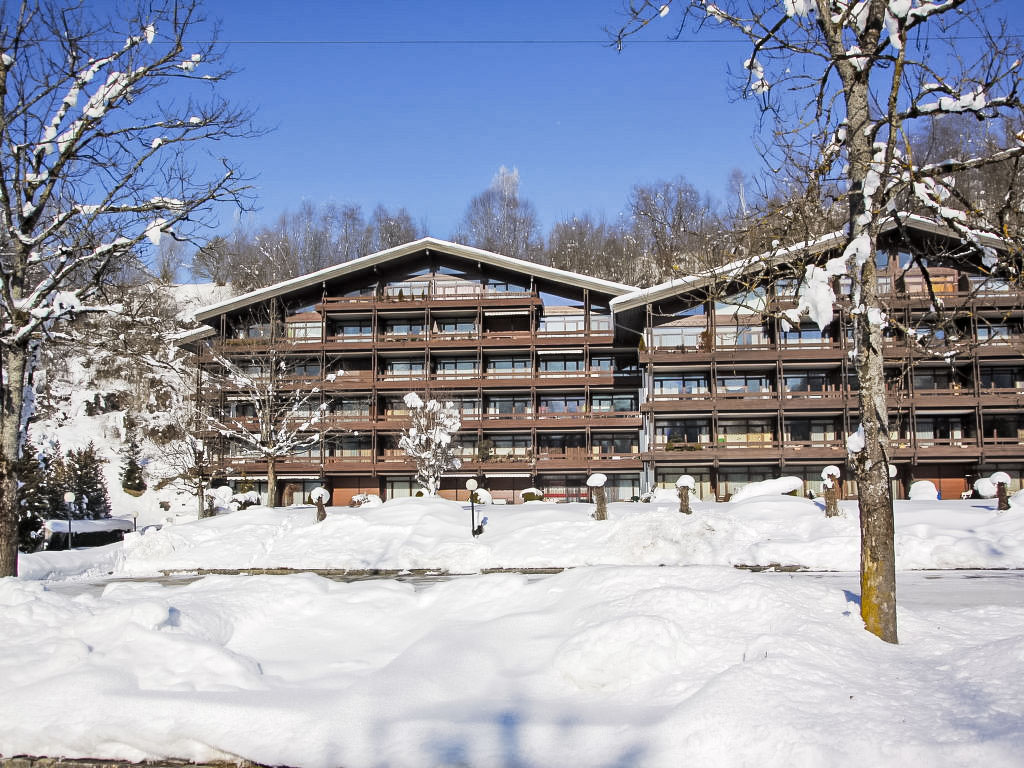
558, 375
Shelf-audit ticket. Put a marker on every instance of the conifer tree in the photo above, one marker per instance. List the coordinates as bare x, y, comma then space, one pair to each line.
131, 460
33, 498
85, 479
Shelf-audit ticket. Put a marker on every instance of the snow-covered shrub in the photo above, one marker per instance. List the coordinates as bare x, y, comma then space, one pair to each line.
923, 490
245, 500
428, 440
777, 486
531, 494
365, 500
482, 496
985, 487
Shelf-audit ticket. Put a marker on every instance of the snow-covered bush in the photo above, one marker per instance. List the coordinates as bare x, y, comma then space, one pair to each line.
923, 490
777, 486
985, 487
531, 494
482, 496
366, 500
428, 440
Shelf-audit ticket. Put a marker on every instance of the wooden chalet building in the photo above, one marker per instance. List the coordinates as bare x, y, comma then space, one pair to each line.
558, 375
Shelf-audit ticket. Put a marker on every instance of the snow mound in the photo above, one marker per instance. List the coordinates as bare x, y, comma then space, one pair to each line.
778, 486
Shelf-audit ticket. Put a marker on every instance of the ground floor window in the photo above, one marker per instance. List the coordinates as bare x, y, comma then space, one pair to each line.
564, 487
622, 487
732, 479
400, 487
666, 478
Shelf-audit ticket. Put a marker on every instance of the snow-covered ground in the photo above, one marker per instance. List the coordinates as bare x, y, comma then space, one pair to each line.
623, 662
435, 534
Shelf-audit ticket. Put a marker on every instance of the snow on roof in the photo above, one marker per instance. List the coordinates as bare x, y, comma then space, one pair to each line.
454, 249
680, 285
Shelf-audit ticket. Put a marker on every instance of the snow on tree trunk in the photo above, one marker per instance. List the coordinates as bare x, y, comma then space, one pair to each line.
428, 440
830, 486
684, 485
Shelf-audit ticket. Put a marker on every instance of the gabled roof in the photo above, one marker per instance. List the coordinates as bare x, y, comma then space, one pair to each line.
782, 255
391, 254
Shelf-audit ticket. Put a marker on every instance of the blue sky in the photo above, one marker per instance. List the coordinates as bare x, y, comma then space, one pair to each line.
426, 125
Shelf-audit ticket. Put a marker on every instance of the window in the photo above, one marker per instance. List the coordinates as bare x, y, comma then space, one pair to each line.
1002, 378
510, 445
750, 382
930, 379
351, 406
678, 336
405, 368
739, 432
994, 334
807, 381
562, 363
740, 335
614, 444
510, 404
680, 384
468, 406
564, 487
601, 363
455, 325
403, 327
456, 367
561, 324
348, 446
804, 334
601, 323
510, 364
562, 442
351, 330
562, 404
813, 431
304, 330
304, 368
669, 432
884, 284
616, 403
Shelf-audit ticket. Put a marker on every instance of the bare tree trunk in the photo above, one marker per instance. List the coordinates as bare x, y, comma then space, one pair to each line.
15, 362
684, 500
831, 493
601, 502
1003, 497
272, 497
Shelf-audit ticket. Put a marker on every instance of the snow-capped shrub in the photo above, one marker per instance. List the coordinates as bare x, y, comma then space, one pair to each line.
531, 494
829, 472
596, 480
778, 486
1000, 477
482, 496
923, 490
365, 500
985, 487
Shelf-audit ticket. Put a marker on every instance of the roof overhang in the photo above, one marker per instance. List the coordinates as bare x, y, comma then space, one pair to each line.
398, 252
737, 269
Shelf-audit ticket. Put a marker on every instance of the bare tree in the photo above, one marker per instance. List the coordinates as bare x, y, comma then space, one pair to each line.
271, 414
676, 227
95, 165
847, 84
499, 220
391, 229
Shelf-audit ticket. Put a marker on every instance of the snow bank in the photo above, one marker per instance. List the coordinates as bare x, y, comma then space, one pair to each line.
434, 533
604, 666
777, 486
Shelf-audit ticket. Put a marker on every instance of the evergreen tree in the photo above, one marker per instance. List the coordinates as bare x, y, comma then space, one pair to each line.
33, 498
84, 468
131, 460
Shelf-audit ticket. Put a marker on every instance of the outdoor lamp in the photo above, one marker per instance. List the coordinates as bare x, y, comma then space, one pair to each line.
69, 500
471, 486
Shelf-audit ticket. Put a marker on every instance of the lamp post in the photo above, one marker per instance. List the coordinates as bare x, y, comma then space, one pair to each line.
471, 486
69, 500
